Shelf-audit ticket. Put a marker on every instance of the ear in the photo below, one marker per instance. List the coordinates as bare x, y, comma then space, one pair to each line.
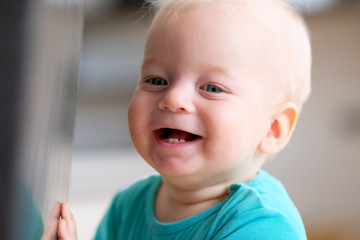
280, 130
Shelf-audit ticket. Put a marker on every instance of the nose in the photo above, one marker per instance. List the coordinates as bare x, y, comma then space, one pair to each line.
177, 99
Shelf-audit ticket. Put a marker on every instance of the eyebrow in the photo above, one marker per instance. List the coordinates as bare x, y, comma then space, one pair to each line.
211, 68
216, 69
152, 60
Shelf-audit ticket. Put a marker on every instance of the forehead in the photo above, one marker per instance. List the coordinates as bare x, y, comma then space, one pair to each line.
199, 35
219, 37
264, 19
207, 21
256, 10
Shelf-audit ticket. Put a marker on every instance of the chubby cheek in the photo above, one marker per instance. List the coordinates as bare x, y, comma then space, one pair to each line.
230, 134
138, 114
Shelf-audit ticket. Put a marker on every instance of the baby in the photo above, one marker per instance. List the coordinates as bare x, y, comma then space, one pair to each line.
220, 90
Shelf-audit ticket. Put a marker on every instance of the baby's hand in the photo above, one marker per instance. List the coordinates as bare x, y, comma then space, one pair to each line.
64, 228
67, 225
51, 225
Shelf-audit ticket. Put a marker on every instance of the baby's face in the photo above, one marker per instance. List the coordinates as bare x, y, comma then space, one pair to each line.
200, 110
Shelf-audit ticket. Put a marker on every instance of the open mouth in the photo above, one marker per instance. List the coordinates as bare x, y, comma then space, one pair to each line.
175, 136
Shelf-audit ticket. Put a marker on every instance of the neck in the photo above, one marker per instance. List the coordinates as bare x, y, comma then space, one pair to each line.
195, 195
186, 203
188, 200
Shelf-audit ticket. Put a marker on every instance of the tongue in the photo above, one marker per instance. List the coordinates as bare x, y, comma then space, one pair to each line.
178, 134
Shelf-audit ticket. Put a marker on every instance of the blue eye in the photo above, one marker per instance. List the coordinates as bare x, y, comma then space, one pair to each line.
212, 88
157, 81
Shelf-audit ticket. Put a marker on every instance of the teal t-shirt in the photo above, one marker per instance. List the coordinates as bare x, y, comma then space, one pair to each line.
259, 209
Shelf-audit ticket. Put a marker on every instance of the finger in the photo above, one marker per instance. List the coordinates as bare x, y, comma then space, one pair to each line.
69, 218
51, 226
64, 233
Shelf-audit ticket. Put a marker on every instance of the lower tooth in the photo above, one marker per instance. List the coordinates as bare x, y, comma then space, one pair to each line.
175, 140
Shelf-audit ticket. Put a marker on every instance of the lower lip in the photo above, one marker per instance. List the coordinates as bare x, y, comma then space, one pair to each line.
163, 143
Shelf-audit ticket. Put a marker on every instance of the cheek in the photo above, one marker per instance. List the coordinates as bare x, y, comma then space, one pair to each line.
137, 114
232, 132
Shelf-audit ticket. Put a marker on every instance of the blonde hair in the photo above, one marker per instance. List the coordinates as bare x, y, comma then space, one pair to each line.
285, 24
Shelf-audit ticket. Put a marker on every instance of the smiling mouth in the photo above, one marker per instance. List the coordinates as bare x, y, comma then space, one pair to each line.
175, 136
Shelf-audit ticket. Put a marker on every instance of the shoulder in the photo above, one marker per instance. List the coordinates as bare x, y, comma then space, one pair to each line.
127, 207
261, 209
140, 186
262, 224
264, 191
137, 191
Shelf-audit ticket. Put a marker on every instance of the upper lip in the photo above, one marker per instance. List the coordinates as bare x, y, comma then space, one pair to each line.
194, 132
165, 133
183, 124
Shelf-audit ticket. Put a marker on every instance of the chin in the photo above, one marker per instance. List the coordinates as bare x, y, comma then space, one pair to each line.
174, 166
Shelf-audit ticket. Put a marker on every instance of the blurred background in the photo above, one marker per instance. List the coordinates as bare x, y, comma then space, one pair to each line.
320, 167
40, 45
